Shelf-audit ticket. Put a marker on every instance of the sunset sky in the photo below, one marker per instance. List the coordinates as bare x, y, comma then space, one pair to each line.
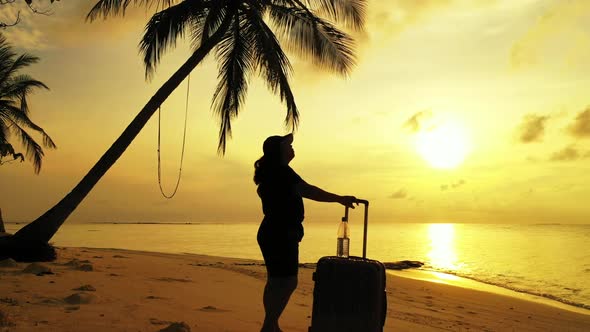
501, 86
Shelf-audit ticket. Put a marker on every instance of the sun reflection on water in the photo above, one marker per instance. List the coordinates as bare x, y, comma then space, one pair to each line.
442, 252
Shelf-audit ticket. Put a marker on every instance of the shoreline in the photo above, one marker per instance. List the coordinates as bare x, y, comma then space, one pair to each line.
428, 275
469, 283
96, 289
424, 275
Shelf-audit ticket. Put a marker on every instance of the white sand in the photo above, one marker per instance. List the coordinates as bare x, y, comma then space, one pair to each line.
121, 290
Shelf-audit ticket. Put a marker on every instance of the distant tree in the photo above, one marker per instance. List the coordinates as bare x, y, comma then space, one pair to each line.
31, 5
14, 109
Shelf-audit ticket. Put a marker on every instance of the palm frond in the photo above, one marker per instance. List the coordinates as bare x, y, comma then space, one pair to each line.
165, 27
235, 56
16, 116
3, 131
6, 59
6, 53
14, 107
19, 85
24, 105
6, 103
105, 8
34, 152
22, 61
351, 13
314, 38
273, 64
215, 16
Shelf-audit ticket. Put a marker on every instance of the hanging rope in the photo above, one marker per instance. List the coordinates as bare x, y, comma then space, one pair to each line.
183, 145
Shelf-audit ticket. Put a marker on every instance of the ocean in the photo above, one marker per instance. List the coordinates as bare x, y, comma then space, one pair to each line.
548, 260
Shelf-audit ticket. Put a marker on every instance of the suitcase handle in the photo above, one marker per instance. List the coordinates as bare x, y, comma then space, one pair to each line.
345, 218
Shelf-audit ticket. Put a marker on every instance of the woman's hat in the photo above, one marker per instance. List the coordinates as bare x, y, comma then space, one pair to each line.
272, 145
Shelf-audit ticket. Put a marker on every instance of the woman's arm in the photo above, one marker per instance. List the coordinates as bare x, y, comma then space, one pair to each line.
317, 194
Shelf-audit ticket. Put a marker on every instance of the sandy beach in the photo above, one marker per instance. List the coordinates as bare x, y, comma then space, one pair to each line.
121, 290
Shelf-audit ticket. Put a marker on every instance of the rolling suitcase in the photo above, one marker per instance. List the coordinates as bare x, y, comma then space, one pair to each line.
349, 293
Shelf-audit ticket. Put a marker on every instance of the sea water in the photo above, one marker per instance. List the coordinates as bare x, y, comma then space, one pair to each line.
549, 260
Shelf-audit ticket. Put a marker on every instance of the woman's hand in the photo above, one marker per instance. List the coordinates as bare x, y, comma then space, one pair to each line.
348, 201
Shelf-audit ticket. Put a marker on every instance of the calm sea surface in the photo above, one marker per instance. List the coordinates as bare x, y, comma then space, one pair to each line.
547, 260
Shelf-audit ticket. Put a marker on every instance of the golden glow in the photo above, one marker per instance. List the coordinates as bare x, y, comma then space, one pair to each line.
442, 250
446, 276
444, 146
354, 136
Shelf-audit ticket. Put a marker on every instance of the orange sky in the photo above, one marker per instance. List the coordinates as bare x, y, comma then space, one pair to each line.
510, 76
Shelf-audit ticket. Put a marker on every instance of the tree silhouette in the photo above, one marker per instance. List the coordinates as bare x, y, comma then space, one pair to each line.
30, 4
237, 32
14, 108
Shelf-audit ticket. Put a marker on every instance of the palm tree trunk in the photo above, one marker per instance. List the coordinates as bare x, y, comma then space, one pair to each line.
43, 228
2, 229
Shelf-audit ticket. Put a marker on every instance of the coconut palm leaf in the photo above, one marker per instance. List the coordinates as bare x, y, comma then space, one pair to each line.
6, 54
10, 69
14, 108
236, 61
273, 64
19, 86
33, 149
165, 27
105, 8
15, 85
314, 38
15, 115
216, 13
3, 130
351, 13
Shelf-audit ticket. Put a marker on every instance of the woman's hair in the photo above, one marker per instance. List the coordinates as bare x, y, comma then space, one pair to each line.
264, 166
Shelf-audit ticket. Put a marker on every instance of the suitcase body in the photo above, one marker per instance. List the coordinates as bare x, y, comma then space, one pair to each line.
349, 294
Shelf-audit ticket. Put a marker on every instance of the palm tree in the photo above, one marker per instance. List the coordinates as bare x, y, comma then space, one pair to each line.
243, 42
14, 109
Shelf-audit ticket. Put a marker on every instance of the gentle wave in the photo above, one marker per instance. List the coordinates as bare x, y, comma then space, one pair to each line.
549, 261
511, 288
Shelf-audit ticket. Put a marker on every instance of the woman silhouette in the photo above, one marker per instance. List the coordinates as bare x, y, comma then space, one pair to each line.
282, 191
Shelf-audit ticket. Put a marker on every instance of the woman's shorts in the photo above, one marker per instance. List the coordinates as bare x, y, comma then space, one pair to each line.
280, 248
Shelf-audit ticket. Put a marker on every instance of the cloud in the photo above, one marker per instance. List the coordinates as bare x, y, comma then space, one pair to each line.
532, 128
22, 34
66, 25
458, 184
569, 153
416, 122
386, 19
400, 194
454, 185
581, 126
557, 25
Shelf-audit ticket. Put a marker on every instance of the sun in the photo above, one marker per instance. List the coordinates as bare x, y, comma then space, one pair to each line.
444, 146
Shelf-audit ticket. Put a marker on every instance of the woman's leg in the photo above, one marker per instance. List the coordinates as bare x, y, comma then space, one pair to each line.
277, 292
